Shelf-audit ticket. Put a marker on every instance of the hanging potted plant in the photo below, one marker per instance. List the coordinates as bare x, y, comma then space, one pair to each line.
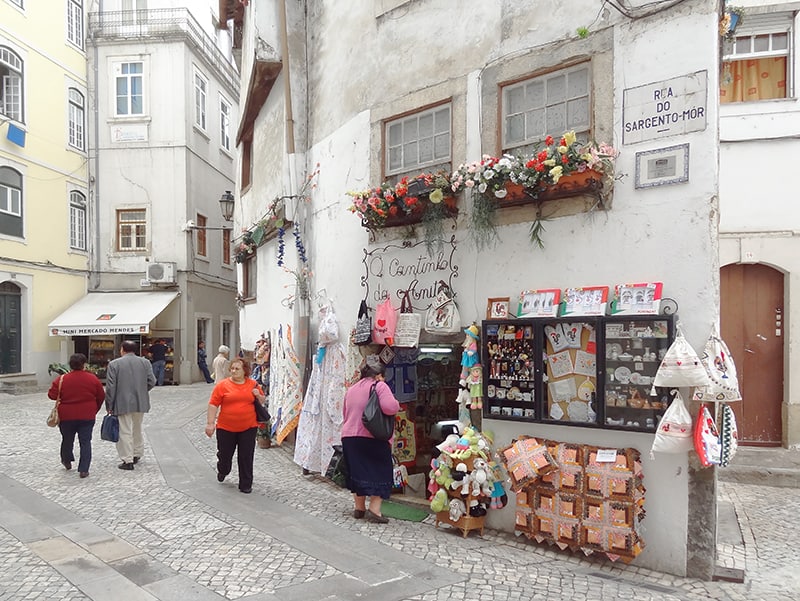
263, 435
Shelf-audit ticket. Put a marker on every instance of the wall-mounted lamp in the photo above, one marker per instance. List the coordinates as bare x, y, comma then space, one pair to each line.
226, 205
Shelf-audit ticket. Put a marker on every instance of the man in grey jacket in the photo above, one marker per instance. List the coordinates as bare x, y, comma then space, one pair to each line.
129, 379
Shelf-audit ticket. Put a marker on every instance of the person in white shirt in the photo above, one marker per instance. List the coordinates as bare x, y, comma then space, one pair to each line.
221, 366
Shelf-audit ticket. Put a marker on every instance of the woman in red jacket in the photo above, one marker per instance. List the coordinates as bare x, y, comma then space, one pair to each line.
236, 422
82, 396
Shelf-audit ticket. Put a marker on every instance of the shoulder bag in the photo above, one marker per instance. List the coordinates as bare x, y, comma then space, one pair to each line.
443, 316
363, 332
52, 419
262, 415
380, 425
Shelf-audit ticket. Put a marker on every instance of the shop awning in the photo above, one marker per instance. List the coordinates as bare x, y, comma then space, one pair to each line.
110, 313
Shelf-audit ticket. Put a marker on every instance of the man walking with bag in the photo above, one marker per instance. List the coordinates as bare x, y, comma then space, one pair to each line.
129, 379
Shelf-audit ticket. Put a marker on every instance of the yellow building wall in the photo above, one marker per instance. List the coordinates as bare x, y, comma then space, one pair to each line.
41, 263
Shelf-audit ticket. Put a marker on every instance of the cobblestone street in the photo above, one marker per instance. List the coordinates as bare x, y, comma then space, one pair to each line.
169, 531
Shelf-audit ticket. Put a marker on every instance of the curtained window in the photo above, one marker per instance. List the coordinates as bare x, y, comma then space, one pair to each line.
757, 62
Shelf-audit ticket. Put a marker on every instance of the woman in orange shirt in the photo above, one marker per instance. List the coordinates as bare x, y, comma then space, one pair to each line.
232, 413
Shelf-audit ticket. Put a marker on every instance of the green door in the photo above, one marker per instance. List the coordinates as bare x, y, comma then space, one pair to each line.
10, 297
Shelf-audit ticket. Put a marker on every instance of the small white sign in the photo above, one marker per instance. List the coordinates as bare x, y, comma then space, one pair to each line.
606, 455
665, 108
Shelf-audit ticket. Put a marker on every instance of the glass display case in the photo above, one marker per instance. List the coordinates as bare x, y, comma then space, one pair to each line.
101, 351
588, 371
634, 348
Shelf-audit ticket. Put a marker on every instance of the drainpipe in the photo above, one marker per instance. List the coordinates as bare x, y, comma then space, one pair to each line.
287, 82
95, 269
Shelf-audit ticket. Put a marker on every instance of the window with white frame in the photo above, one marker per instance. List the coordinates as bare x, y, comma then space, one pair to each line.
11, 78
757, 62
75, 22
200, 94
131, 229
77, 119
548, 104
10, 202
77, 220
129, 86
418, 141
225, 124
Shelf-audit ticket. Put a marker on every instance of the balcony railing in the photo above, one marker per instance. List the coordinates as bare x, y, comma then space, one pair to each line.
163, 24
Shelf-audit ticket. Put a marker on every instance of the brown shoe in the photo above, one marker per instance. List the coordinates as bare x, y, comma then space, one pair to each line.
67, 464
375, 519
358, 514
84, 474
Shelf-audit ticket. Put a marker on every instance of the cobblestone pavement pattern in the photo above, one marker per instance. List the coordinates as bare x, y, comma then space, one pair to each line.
169, 531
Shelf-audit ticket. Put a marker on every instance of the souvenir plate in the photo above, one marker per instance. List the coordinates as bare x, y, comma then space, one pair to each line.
514, 394
634, 379
613, 348
622, 374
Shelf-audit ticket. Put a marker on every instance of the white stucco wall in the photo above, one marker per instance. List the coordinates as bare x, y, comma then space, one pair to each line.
666, 233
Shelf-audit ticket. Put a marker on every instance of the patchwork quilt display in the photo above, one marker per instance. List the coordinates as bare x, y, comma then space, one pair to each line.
592, 502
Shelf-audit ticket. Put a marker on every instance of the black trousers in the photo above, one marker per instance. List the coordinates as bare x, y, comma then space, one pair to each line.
83, 428
244, 443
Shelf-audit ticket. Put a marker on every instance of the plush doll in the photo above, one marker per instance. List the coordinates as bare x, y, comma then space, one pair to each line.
476, 509
475, 384
457, 509
464, 401
481, 478
469, 356
439, 501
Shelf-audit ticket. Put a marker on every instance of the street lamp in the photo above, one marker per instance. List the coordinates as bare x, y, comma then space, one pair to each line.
226, 205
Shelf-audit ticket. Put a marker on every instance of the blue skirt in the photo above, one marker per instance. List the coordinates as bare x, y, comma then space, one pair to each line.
369, 466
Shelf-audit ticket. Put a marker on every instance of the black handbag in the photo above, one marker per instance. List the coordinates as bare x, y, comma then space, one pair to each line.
363, 333
109, 429
262, 415
380, 425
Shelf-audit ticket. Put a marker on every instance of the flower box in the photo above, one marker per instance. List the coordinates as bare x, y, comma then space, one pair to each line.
574, 184
417, 214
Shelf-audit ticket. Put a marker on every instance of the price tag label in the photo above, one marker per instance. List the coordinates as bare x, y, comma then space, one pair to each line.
606, 455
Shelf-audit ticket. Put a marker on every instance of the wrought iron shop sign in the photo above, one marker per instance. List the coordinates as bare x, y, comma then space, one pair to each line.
396, 269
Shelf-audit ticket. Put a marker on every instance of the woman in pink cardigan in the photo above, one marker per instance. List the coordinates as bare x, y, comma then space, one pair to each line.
368, 461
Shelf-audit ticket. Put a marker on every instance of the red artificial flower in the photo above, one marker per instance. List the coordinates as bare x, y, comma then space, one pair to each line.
393, 210
530, 164
564, 159
548, 140
562, 142
411, 201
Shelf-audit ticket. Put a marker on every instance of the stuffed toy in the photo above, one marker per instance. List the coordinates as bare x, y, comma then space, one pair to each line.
457, 509
475, 383
481, 476
464, 400
469, 356
461, 478
476, 509
439, 501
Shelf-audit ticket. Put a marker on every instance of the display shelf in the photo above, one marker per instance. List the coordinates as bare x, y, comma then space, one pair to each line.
466, 523
585, 371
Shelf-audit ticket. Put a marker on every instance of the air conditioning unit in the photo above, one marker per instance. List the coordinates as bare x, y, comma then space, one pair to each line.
161, 273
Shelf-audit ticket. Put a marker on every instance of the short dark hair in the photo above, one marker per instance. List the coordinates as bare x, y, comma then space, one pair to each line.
130, 346
77, 361
245, 366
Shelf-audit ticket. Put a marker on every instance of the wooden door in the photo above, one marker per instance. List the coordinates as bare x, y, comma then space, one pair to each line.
10, 335
753, 326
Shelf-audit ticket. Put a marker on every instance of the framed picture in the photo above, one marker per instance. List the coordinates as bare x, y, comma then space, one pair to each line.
539, 303
497, 308
637, 299
662, 166
585, 301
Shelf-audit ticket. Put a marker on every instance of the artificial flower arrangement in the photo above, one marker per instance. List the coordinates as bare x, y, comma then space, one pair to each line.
488, 180
375, 206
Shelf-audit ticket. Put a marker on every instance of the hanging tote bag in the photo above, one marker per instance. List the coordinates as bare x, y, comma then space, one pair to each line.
723, 383
363, 334
728, 436
408, 325
706, 438
674, 432
681, 366
385, 322
53, 419
442, 316
377, 423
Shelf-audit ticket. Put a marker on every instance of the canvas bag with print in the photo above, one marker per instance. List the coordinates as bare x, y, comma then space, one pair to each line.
723, 383
681, 366
408, 325
706, 438
442, 316
363, 329
384, 324
674, 432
